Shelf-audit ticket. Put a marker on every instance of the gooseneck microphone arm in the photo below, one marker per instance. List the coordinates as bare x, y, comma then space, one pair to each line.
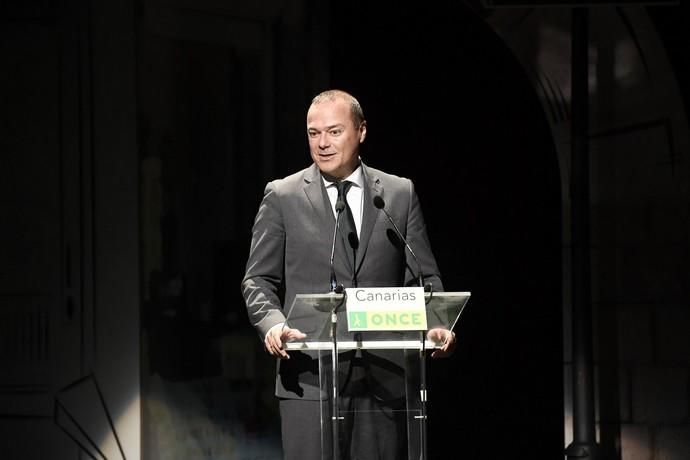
339, 206
380, 204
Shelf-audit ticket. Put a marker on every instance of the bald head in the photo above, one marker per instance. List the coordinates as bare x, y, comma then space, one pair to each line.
332, 95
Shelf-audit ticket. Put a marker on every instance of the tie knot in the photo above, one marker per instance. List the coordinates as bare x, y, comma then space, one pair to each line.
343, 187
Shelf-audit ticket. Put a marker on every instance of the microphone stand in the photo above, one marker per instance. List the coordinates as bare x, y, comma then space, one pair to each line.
422, 374
380, 204
337, 289
335, 417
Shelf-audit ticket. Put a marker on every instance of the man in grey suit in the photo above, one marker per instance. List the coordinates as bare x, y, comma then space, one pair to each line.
290, 254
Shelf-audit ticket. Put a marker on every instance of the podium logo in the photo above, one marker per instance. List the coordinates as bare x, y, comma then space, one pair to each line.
392, 320
386, 309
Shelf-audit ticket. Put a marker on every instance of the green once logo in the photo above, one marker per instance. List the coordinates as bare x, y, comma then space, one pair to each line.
358, 319
393, 319
386, 321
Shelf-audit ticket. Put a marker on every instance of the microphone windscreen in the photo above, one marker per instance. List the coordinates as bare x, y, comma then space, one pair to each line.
378, 202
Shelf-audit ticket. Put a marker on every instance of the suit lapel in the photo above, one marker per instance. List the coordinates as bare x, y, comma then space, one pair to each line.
318, 197
372, 187
314, 190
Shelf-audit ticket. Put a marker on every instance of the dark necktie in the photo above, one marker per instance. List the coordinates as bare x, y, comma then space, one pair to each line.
347, 221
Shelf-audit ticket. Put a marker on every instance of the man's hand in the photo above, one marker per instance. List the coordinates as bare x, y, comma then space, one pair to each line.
277, 336
444, 337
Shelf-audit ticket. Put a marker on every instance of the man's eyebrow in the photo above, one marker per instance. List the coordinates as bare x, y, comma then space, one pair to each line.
327, 128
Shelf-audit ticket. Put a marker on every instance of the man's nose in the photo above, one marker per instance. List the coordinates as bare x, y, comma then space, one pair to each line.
324, 142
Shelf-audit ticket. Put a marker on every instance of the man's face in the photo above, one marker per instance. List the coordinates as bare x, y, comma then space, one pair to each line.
334, 138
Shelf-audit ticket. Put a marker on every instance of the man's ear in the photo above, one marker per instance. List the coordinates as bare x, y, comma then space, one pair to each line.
362, 131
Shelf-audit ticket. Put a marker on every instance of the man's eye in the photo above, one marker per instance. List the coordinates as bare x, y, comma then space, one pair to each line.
313, 134
335, 132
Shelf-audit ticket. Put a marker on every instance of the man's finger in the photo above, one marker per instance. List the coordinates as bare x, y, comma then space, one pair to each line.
288, 334
447, 340
274, 346
295, 334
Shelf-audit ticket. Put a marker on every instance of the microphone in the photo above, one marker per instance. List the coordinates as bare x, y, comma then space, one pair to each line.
339, 206
380, 204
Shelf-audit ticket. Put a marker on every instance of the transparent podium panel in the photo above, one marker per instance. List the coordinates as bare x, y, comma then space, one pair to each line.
373, 383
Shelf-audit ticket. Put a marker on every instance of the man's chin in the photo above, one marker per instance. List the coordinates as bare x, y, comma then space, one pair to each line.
330, 176
328, 170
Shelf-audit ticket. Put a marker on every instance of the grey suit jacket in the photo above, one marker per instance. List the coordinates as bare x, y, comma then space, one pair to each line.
290, 254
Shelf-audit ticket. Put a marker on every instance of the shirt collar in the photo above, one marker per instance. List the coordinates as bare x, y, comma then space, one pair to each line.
355, 178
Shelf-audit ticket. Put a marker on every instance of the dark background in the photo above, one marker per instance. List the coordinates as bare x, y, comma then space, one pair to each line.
448, 106
213, 110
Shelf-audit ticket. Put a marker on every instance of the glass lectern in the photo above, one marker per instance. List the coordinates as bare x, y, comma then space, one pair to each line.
392, 363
